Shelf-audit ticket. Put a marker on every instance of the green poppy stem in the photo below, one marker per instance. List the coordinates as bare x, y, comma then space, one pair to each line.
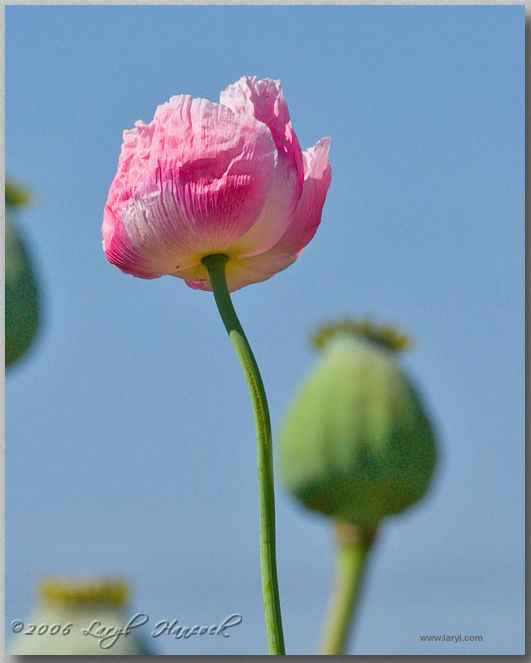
215, 265
353, 546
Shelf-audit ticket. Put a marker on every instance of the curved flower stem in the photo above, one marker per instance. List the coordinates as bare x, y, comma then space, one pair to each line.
353, 545
215, 265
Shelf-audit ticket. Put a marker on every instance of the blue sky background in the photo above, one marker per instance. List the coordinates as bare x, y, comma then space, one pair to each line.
130, 440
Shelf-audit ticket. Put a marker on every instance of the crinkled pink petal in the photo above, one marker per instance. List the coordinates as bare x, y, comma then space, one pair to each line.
307, 217
306, 220
263, 99
119, 249
189, 184
275, 217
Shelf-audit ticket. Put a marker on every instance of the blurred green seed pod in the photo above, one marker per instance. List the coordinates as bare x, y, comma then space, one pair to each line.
357, 443
79, 617
21, 294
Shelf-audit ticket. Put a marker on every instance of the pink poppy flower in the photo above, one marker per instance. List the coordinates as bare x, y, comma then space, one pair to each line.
205, 178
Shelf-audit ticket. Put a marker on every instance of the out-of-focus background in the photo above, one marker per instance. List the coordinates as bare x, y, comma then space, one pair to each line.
130, 440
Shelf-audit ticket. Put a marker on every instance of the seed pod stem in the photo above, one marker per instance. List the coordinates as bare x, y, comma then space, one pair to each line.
353, 545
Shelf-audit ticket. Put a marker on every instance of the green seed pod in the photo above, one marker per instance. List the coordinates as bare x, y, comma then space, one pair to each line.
357, 444
83, 618
21, 295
